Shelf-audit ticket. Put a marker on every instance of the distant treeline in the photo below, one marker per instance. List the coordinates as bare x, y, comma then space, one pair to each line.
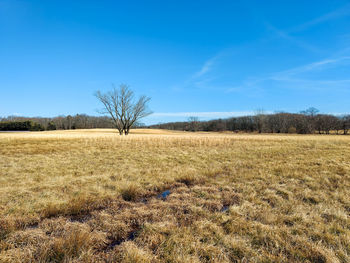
79, 121
306, 122
302, 123
20, 126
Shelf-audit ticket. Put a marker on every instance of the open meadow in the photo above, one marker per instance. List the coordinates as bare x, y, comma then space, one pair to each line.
162, 196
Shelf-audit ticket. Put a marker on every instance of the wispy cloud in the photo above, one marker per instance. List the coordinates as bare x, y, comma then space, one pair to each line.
201, 78
291, 78
205, 68
318, 65
338, 13
285, 35
210, 63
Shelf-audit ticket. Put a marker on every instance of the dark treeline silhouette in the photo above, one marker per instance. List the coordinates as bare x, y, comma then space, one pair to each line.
306, 122
20, 126
79, 121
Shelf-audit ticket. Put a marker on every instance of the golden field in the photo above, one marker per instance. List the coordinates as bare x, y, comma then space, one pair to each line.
95, 196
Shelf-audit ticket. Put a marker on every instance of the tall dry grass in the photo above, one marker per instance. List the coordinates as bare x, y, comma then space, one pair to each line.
93, 196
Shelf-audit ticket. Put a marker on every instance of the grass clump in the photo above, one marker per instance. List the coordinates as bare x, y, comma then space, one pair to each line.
130, 192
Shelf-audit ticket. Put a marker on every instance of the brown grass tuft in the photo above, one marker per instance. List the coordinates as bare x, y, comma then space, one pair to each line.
130, 192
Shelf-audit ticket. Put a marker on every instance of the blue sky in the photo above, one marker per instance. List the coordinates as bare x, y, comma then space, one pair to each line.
209, 59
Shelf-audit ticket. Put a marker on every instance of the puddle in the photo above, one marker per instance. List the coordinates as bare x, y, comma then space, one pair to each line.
224, 208
164, 195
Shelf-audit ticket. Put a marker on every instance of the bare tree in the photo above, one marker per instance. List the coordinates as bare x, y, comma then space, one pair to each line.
193, 123
121, 105
346, 123
259, 119
312, 111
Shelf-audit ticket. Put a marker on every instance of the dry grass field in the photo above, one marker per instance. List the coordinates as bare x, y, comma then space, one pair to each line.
161, 196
